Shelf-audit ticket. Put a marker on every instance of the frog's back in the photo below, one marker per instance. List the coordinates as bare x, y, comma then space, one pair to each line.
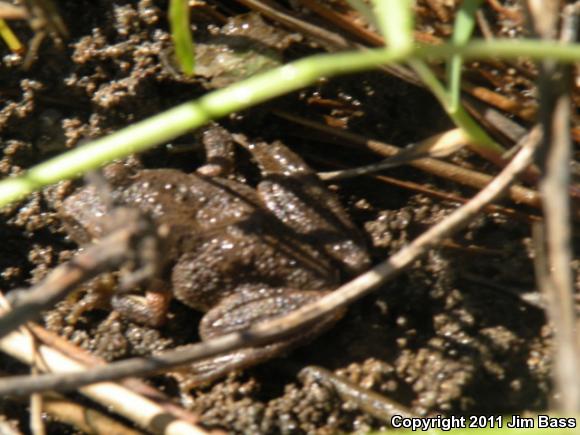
180, 199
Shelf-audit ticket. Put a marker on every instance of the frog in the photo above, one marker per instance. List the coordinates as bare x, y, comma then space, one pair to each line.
240, 254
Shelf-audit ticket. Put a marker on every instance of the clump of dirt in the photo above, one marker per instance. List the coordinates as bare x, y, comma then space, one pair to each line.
450, 335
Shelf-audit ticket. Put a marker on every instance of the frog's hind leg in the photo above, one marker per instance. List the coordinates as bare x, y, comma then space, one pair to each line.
293, 192
249, 305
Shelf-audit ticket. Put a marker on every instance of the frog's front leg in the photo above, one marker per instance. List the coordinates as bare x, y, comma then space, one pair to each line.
293, 192
251, 304
150, 309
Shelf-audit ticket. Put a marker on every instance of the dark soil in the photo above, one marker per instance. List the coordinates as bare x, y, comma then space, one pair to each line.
449, 336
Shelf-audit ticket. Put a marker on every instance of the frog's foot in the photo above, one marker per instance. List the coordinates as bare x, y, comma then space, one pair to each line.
150, 309
219, 149
249, 305
98, 295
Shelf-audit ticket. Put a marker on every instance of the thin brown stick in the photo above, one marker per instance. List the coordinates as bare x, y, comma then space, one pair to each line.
342, 21
372, 403
331, 39
554, 160
439, 194
370, 37
272, 330
507, 104
440, 145
446, 196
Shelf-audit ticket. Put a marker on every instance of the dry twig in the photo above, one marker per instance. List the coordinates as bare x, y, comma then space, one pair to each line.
86, 419
440, 145
367, 400
554, 160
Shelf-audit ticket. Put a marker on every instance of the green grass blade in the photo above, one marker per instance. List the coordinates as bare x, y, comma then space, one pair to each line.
431, 81
396, 21
462, 31
181, 34
482, 142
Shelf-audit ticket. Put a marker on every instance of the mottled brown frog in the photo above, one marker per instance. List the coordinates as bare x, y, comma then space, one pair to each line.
238, 253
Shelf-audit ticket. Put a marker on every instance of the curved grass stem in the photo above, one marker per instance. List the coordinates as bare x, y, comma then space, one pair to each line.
293, 76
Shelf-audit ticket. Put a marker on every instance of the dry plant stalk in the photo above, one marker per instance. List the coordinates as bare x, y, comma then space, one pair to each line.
142, 411
554, 159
